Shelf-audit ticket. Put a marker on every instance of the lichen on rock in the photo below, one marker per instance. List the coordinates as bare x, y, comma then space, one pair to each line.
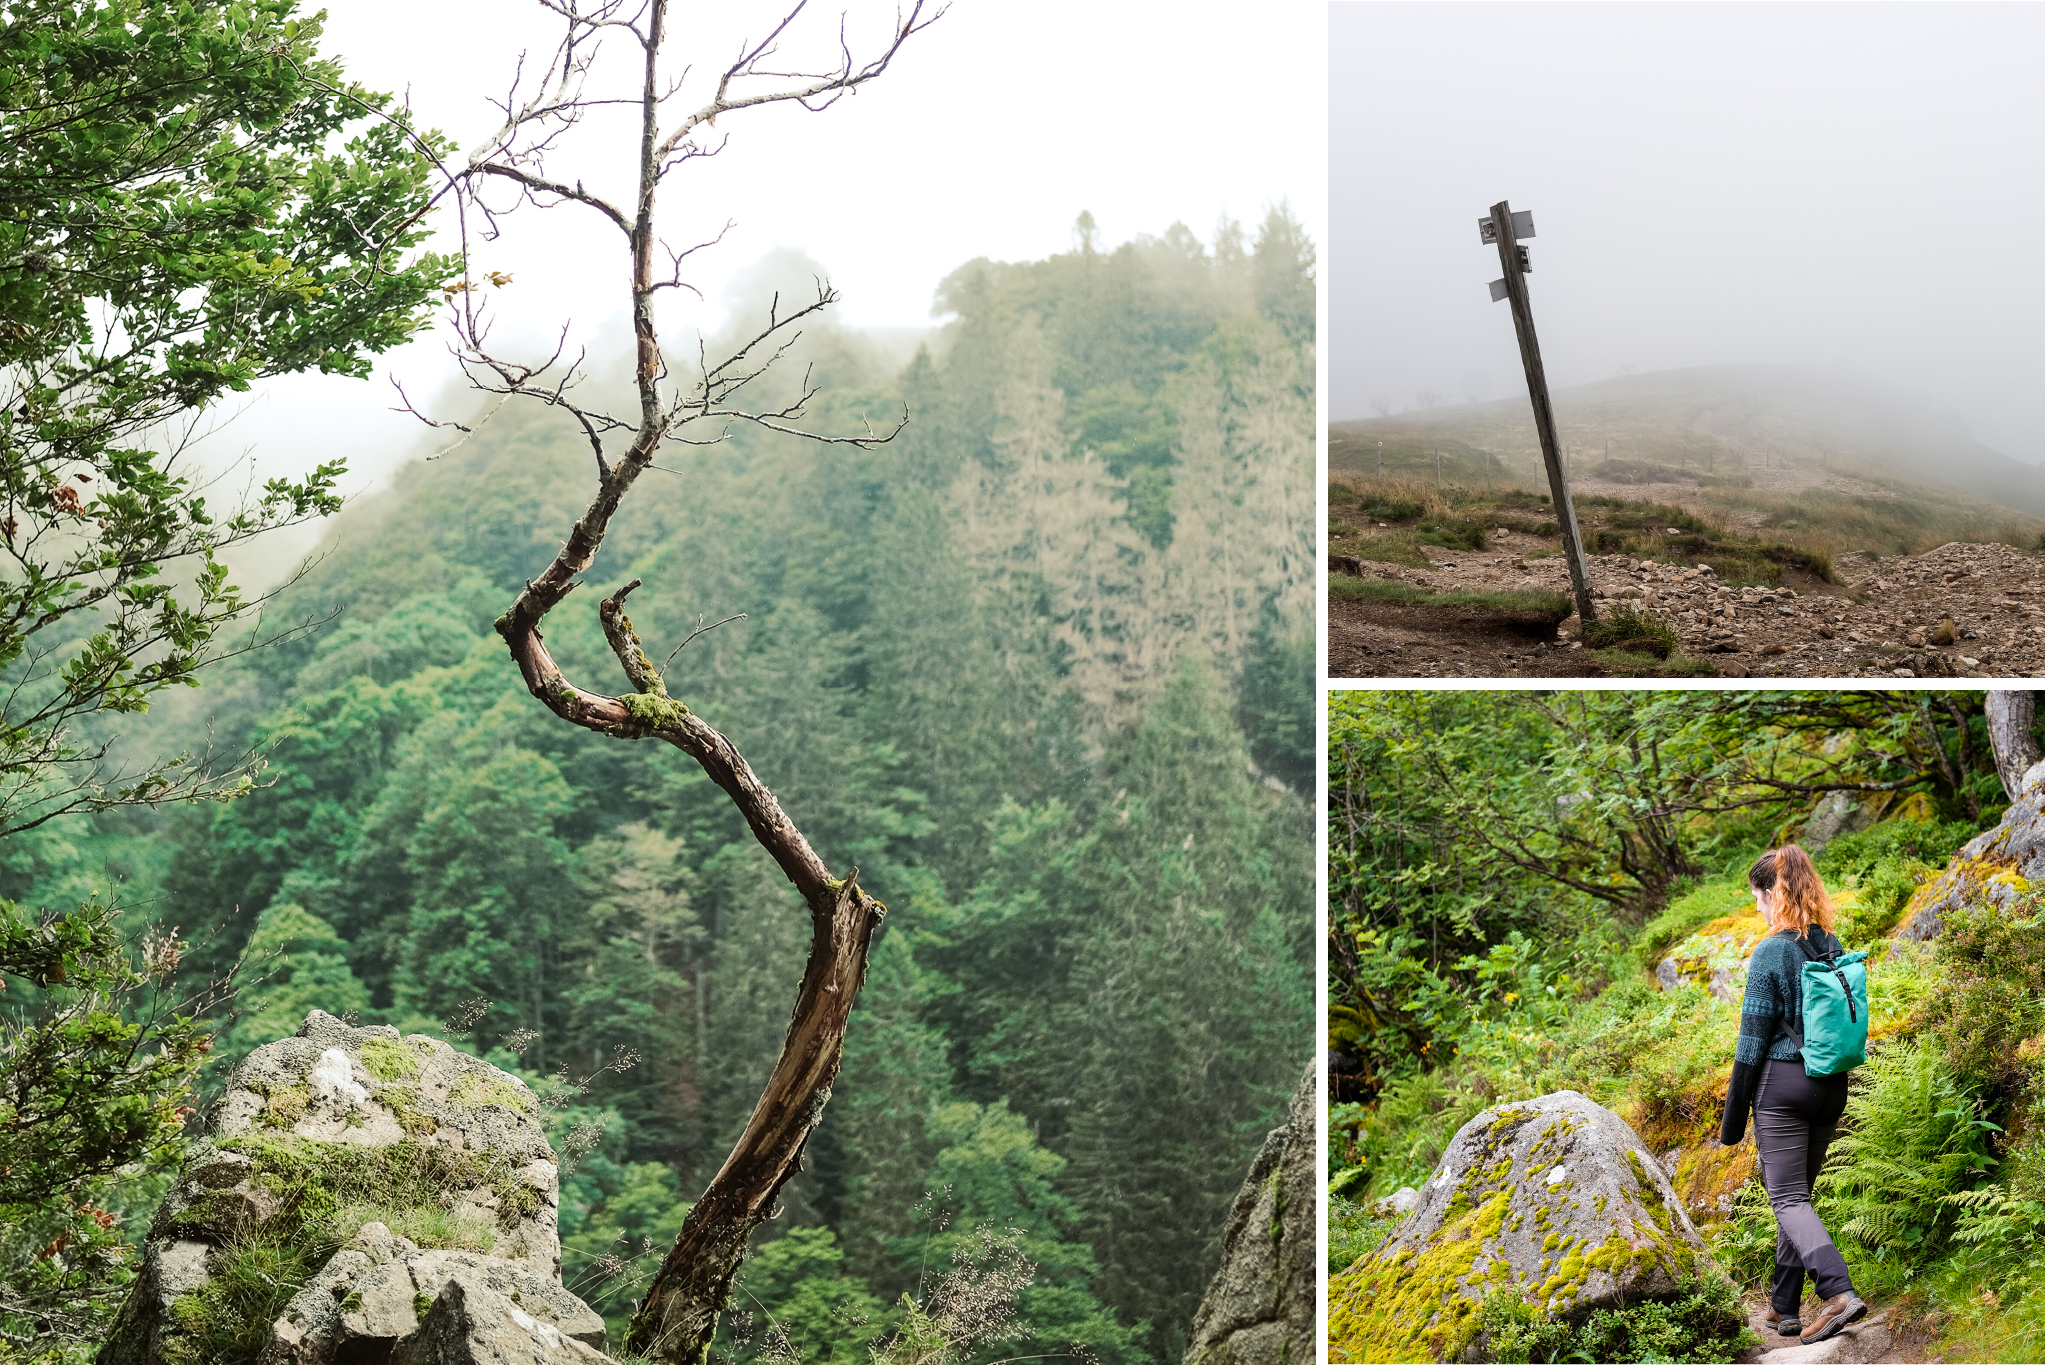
1553, 1199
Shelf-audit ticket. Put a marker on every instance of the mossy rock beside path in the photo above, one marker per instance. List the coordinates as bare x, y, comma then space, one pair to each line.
1553, 1199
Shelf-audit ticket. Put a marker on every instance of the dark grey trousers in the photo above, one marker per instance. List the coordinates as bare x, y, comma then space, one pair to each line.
1795, 1119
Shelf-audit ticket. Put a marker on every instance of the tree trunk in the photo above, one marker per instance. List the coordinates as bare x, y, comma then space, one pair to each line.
2010, 715
678, 1317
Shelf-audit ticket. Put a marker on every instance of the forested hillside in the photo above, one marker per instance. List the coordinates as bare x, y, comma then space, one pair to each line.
1543, 891
1041, 667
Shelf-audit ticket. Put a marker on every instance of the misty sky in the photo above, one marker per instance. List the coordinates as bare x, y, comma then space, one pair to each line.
1713, 183
989, 136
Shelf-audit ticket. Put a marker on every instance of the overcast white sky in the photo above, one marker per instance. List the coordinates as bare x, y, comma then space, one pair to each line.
1712, 183
987, 138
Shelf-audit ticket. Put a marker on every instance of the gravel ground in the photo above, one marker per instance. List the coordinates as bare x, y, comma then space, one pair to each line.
1883, 621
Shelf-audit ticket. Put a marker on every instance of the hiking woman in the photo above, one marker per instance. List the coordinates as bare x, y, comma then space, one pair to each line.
1795, 1115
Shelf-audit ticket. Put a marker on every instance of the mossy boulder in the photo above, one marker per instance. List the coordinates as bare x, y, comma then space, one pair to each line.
1995, 868
1835, 814
1715, 956
318, 1137
1553, 1199
1259, 1308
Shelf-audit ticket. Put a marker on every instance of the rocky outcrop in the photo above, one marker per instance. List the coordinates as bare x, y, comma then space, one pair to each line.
1996, 867
1715, 956
1863, 1343
372, 1296
1552, 1199
472, 1323
420, 1162
1259, 1309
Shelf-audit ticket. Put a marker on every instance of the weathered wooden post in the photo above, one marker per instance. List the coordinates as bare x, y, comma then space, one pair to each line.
1506, 228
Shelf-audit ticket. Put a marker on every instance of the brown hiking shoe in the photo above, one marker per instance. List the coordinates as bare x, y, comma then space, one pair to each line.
1833, 1314
1785, 1324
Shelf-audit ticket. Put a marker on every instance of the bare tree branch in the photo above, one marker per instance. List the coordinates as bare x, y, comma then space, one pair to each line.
678, 1315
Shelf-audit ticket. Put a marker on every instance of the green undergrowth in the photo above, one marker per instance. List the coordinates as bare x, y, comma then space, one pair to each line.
1935, 1188
1623, 628
1355, 1230
324, 1193
1704, 1321
251, 1279
1545, 606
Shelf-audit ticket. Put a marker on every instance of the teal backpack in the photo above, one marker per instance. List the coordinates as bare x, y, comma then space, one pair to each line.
1834, 1037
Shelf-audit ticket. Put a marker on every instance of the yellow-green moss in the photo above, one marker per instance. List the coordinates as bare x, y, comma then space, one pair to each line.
285, 1108
1412, 1307
403, 1102
389, 1060
1706, 1174
478, 1088
650, 713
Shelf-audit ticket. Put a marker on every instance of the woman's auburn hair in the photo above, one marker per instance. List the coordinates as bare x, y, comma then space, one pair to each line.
1800, 898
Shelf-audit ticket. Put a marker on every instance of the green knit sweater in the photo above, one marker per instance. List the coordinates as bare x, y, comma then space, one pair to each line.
1772, 1012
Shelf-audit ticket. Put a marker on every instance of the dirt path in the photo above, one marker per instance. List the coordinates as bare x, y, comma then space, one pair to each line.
1882, 621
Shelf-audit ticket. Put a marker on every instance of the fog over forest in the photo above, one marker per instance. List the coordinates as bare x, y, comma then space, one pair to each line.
1712, 185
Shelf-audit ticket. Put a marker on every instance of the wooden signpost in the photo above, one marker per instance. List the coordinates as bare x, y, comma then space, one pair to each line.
1506, 228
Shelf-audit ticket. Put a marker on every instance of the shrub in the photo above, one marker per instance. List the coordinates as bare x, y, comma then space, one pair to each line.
1987, 1004
1464, 533
1704, 1322
1862, 851
1379, 507
1631, 631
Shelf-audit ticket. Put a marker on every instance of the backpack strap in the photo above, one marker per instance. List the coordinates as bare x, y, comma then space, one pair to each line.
1830, 960
1803, 946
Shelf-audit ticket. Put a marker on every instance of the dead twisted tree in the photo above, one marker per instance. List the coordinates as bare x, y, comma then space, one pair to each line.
678, 1315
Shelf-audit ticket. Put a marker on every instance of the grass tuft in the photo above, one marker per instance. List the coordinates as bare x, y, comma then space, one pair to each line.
1632, 631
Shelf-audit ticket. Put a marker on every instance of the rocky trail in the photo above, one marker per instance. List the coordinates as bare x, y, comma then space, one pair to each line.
1876, 1339
1974, 611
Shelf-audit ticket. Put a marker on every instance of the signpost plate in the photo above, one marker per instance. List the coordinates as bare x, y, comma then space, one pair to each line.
1522, 226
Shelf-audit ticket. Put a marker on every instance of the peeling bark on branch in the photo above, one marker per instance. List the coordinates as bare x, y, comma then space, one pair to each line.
678, 1316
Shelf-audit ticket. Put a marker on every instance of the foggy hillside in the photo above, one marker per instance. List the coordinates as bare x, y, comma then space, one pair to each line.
1772, 428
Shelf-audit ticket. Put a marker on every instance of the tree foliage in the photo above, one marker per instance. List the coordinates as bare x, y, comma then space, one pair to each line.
1100, 932
191, 199
177, 221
